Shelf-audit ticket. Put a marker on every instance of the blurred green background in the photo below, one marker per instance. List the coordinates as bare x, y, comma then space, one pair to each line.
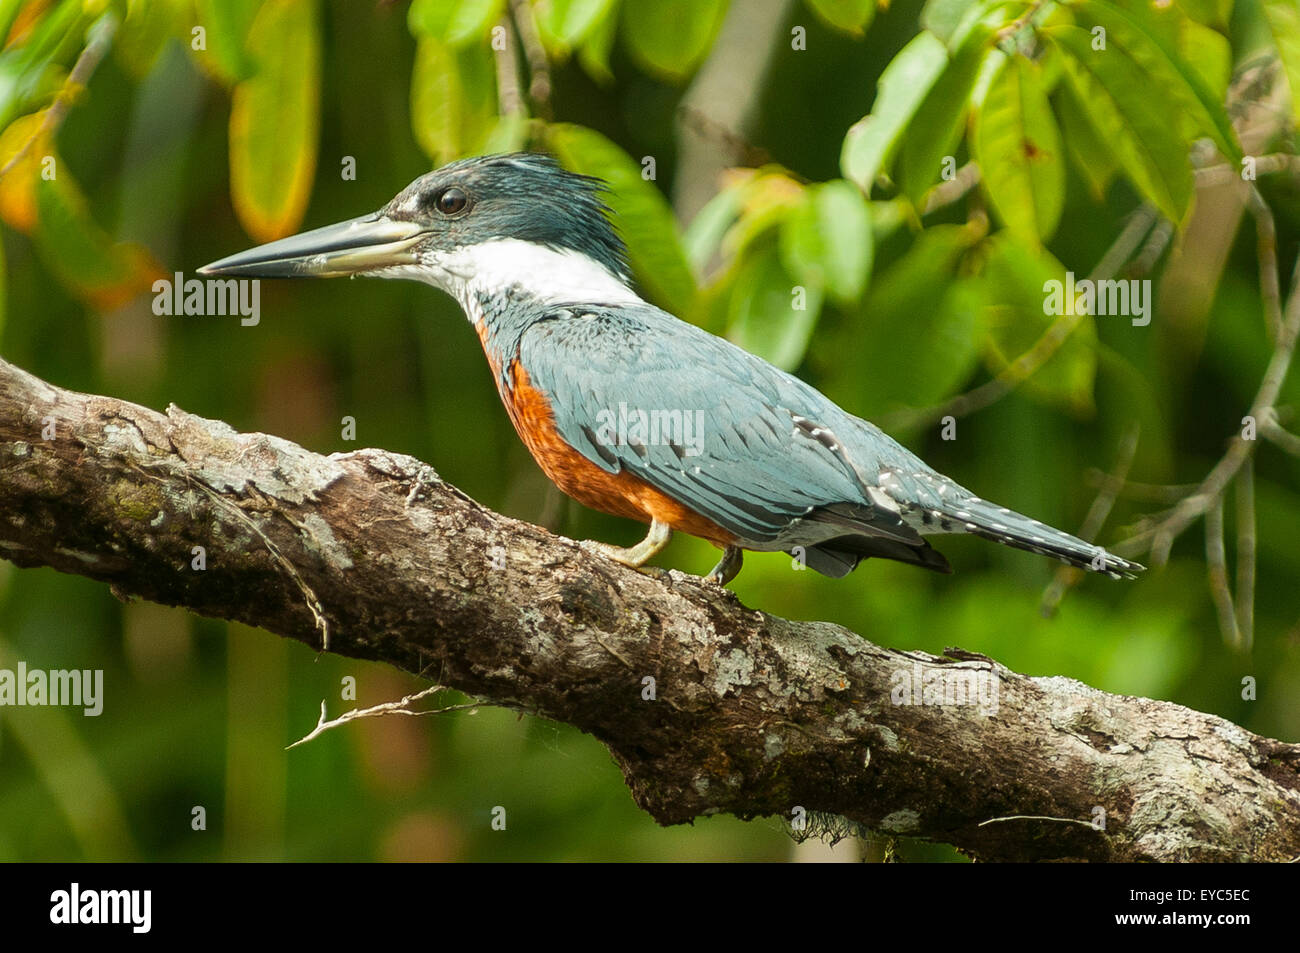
208, 126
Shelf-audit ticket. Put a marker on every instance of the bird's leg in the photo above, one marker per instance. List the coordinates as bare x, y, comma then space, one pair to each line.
635, 556
728, 566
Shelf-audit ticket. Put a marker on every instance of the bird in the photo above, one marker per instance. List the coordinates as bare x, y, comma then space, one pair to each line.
634, 412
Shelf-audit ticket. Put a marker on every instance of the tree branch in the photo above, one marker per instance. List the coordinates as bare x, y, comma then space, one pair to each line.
750, 714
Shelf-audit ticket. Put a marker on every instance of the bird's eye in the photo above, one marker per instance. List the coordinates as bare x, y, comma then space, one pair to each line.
452, 200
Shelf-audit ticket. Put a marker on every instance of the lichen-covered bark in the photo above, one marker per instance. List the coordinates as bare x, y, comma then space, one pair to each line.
751, 714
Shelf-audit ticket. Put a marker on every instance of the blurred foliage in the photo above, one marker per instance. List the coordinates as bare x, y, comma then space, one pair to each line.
984, 148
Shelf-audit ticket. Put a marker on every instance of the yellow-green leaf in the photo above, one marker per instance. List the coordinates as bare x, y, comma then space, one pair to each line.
565, 24
275, 120
851, 16
871, 142
1018, 148
1141, 35
1092, 155
226, 25
642, 213
671, 37
1117, 96
453, 99
456, 22
1016, 321
769, 313
1283, 18
916, 329
940, 120
704, 235
1209, 53
826, 240
148, 26
594, 52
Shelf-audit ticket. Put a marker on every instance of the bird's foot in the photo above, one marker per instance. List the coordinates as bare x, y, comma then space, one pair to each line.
624, 557
634, 557
728, 566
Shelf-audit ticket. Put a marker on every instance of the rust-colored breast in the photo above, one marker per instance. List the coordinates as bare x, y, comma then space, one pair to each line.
621, 494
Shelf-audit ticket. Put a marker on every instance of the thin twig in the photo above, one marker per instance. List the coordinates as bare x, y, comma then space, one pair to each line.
945, 193
1283, 438
1037, 817
539, 68
1217, 564
510, 97
1246, 551
1140, 223
1266, 248
1211, 176
1163, 530
1155, 245
402, 707
1145, 492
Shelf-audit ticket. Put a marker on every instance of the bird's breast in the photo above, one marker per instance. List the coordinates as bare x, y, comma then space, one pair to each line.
621, 494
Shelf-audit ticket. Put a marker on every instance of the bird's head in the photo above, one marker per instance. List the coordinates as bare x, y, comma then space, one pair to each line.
480, 224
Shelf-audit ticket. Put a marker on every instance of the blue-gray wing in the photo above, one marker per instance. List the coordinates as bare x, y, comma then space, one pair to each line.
714, 427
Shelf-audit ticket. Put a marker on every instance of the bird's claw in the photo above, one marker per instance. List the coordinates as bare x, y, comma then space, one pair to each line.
622, 557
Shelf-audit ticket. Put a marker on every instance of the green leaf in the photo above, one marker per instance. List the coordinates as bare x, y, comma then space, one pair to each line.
453, 99
918, 326
508, 134
226, 25
275, 120
594, 52
768, 199
670, 37
1209, 53
646, 221
941, 17
950, 20
1117, 97
148, 27
1211, 13
703, 236
1092, 155
851, 16
826, 240
871, 142
1016, 275
1165, 71
456, 22
1015, 142
769, 313
1283, 18
934, 133
564, 24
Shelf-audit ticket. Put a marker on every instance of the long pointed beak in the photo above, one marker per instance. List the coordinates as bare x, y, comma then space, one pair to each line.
349, 248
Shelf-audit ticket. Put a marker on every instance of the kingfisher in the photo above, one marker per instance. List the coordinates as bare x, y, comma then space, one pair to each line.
634, 412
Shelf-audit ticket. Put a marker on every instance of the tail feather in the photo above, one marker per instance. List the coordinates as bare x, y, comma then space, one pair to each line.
1001, 525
